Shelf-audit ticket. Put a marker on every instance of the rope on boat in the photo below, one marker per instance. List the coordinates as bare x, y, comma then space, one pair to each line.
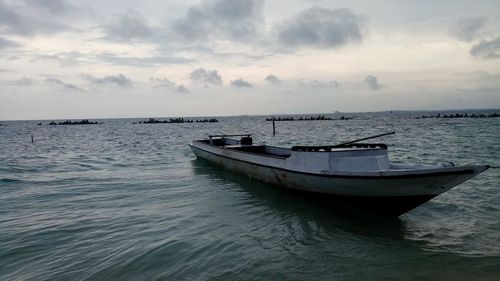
367, 138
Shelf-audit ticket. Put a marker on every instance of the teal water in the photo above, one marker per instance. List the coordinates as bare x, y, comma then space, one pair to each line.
124, 201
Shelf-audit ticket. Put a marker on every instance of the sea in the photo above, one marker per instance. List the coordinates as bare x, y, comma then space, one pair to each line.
122, 200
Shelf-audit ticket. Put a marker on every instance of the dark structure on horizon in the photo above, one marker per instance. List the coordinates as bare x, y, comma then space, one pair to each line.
458, 115
312, 118
69, 122
177, 120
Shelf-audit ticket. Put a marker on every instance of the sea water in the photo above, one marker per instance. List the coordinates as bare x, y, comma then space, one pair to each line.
128, 201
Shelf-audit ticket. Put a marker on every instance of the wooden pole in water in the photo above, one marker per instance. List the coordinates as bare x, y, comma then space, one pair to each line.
274, 127
32, 140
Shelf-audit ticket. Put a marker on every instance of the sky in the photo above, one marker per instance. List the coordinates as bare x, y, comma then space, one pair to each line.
110, 59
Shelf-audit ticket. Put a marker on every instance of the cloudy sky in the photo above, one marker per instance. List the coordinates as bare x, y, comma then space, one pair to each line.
91, 59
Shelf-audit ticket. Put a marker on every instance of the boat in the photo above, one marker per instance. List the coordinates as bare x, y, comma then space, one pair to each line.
353, 172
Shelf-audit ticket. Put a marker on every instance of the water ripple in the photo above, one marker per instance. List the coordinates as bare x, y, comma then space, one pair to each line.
123, 201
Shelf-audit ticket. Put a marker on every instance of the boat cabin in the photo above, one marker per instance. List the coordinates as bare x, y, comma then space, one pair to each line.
348, 157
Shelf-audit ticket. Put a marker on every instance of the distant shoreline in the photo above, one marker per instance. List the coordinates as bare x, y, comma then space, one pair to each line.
484, 110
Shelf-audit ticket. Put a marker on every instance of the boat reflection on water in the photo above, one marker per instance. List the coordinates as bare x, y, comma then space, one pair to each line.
328, 213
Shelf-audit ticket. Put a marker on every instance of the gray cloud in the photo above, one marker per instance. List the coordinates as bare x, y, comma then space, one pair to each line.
11, 20
52, 7
60, 84
467, 29
162, 83
167, 84
73, 58
128, 27
486, 76
207, 76
142, 61
480, 79
321, 28
119, 80
372, 82
240, 83
25, 81
64, 59
486, 49
27, 18
273, 79
182, 89
318, 84
254, 56
233, 19
5, 43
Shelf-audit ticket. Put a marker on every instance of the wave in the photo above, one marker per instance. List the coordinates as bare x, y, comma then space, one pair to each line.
7, 180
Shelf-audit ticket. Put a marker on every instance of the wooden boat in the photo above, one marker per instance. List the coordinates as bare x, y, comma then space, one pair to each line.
353, 172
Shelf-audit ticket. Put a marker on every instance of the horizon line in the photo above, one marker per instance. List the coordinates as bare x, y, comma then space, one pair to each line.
269, 114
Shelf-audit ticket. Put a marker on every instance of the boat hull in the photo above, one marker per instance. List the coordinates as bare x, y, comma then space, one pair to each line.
390, 195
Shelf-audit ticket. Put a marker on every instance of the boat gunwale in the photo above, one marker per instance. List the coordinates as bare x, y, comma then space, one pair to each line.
248, 152
461, 170
290, 149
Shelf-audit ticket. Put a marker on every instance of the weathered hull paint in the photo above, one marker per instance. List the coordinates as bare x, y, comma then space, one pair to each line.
387, 195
